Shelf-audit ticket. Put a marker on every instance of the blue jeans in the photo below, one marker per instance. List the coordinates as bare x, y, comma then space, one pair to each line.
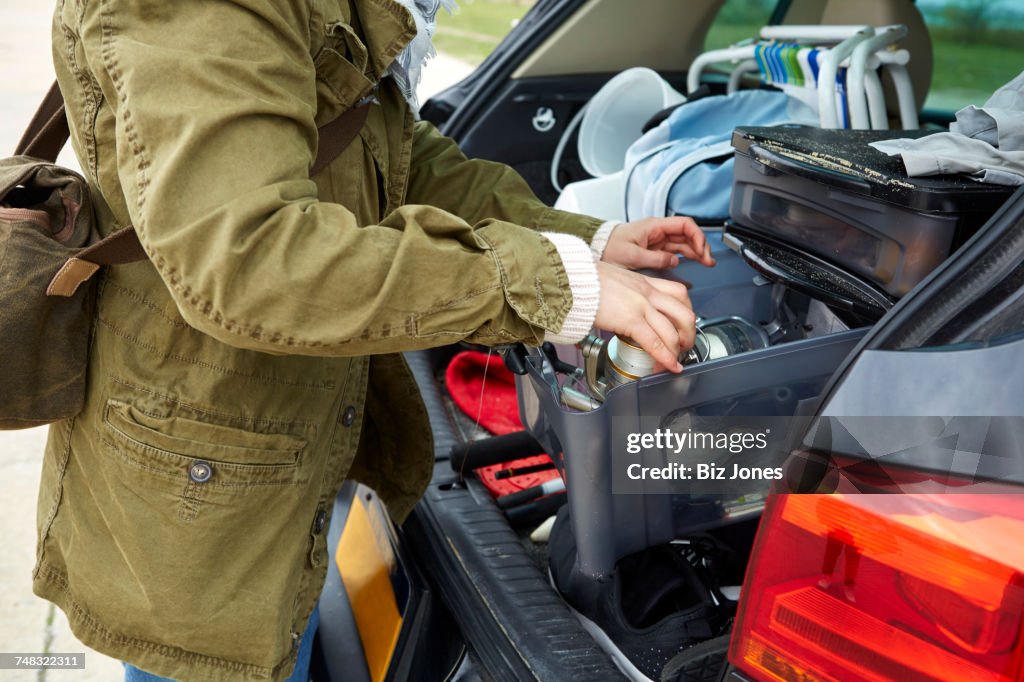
300, 674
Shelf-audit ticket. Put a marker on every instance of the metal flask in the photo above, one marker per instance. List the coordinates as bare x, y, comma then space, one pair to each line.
619, 360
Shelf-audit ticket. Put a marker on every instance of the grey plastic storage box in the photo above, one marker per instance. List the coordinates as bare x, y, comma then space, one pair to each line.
769, 382
829, 193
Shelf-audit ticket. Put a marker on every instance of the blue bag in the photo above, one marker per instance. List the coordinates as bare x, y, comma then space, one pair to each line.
684, 165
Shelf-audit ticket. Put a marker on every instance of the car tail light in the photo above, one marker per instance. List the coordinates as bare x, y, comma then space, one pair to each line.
885, 587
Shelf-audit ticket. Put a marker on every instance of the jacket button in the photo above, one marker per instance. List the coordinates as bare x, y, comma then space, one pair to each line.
319, 522
348, 418
200, 471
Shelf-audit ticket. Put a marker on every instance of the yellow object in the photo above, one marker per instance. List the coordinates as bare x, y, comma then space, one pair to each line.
365, 560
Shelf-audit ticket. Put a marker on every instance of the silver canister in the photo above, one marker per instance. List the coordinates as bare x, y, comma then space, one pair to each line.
620, 360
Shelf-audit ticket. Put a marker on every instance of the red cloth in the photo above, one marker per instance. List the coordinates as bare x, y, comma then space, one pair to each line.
492, 400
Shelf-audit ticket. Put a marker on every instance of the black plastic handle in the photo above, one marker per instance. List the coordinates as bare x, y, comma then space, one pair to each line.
533, 513
515, 357
493, 450
520, 497
557, 364
779, 272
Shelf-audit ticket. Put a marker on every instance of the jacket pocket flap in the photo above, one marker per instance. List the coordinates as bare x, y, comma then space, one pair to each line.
182, 436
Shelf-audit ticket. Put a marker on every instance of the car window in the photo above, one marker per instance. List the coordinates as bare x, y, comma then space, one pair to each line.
738, 20
993, 319
476, 27
978, 46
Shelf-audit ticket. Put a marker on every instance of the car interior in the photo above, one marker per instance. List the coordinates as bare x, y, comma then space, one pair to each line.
551, 568
570, 64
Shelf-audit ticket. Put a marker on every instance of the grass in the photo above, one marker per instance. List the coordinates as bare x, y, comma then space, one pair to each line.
968, 73
724, 35
477, 27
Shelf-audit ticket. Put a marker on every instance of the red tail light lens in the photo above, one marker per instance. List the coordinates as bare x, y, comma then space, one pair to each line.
885, 587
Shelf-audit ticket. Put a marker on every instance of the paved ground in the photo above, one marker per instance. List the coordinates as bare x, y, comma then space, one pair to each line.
28, 624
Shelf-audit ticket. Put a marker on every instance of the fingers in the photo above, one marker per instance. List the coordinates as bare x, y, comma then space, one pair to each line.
706, 258
684, 249
679, 314
654, 260
683, 235
670, 317
655, 313
671, 288
657, 243
658, 337
703, 257
684, 229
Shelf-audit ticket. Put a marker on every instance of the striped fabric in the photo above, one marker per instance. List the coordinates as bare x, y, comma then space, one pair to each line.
791, 66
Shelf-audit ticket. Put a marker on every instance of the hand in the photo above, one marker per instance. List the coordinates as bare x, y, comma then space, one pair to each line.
656, 313
654, 242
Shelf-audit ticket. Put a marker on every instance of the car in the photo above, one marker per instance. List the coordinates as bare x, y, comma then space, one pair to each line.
915, 389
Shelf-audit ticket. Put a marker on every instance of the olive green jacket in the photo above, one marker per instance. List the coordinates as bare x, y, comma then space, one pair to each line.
243, 374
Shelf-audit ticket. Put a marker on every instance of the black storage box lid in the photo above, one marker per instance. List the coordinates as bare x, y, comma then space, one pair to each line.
828, 193
843, 158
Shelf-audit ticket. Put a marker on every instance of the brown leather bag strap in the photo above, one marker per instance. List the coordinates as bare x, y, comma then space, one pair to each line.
117, 248
47, 132
336, 136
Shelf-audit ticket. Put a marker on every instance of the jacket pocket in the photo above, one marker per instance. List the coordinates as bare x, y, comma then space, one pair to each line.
204, 529
185, 450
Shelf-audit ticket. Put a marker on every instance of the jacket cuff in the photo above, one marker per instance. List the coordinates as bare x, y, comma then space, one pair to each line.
553, 220
600, 241
578, 261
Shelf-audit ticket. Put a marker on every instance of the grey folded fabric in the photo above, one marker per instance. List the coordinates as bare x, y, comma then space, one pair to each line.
947, 153
1000, 122
986, 143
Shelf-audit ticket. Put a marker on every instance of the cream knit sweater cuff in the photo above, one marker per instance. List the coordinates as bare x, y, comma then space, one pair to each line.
579, 263
600, 240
